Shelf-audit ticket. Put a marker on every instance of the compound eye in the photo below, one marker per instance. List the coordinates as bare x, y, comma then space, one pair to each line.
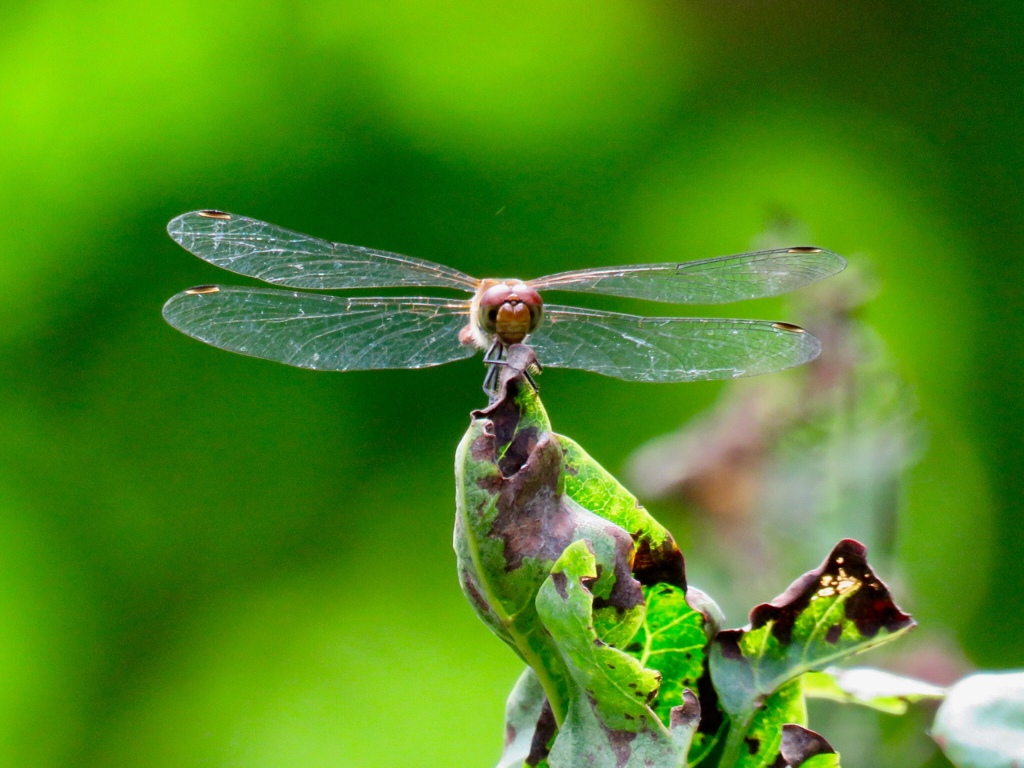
536, 313
490, 303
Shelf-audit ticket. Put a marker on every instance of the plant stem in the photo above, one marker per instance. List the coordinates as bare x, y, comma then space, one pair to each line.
734, 741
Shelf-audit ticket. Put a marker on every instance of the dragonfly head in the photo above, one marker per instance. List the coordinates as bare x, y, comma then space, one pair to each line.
510, 310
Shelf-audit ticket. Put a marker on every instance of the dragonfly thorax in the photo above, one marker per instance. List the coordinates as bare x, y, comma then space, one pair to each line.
509, 310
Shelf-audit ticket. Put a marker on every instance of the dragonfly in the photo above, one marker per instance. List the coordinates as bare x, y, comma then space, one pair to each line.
319, 331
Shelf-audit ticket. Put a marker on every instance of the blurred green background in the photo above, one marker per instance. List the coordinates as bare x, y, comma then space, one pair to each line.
209, 560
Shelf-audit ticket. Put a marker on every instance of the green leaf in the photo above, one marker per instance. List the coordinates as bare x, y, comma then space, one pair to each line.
764, 736
525, 707
836, 610
981, 722
713, 616
658, 559
822, 761
671, 641
610, 723
869, 687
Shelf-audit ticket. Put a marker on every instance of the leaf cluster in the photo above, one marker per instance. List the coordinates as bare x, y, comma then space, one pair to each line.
627, 666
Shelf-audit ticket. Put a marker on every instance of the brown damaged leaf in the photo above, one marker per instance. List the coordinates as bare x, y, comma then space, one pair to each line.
514, 521
800, 746
845, 572
838, 609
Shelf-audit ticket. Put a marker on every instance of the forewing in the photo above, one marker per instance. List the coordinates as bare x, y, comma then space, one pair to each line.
282, 257
664, 349
711, 281
327, 333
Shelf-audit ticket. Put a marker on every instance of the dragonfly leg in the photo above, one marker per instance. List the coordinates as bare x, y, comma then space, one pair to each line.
491, 381
512, 358
494, 353
530, 380
494, 358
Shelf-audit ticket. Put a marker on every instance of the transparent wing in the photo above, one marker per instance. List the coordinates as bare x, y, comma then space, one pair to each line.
281, 257
666, 349
711, 281
327, 333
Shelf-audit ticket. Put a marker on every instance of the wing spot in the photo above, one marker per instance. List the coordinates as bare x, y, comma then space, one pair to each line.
213, 214
202, 290
788, 327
